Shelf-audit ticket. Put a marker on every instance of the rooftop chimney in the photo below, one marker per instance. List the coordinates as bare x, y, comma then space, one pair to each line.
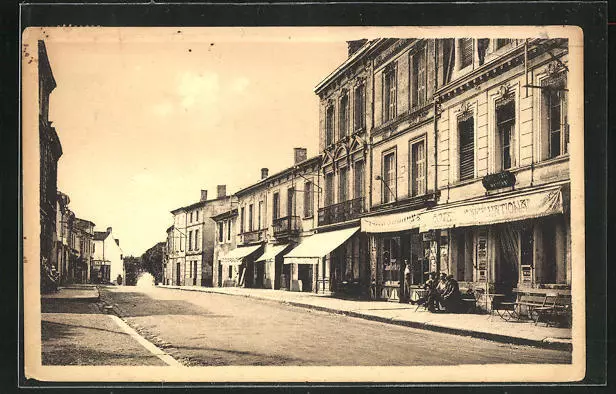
301, 154
264, 173
109, 230
222, 191
354, 45
203, 195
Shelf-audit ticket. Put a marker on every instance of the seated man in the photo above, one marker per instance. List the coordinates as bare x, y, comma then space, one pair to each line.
430, 299
451, 299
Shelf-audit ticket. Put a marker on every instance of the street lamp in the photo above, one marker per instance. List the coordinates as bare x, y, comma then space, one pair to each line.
379, 178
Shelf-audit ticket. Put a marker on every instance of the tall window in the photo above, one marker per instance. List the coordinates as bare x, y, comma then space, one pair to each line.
358, 180
242, 219
190, 239
260, 223
505, 123
465, 46
250, 215
291, 201
229, 230
197, 213
389, 92
191, 217
343, 184
467, 147
329, 189
389, 177
196, 239
329, 125
360, 106
554, 122
343, 122
418, 89
308, 199
221, 231
418, 168
276, 206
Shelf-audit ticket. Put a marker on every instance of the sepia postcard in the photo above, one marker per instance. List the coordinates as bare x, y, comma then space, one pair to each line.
314, 204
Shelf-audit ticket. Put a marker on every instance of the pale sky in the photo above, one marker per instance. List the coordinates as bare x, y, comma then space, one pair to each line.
148, 120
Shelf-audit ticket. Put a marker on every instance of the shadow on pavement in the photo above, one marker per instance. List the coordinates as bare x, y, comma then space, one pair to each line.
59, 305
133, 304
53, 330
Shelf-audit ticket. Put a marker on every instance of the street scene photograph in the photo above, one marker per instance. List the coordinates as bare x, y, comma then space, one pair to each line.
304, 197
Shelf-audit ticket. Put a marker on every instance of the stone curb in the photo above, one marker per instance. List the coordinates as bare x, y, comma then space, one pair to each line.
546, 343
84, 298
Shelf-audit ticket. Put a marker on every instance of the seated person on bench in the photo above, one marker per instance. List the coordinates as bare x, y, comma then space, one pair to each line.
451, 298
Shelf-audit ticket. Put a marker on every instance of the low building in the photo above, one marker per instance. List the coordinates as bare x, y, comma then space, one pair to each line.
107, 259
82, 240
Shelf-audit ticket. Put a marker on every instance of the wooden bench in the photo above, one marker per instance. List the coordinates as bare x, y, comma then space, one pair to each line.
547, 307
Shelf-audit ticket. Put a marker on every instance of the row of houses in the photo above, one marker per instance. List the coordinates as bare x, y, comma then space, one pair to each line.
445, 155
71, 251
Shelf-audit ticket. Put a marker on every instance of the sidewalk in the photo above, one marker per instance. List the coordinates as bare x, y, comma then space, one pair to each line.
74, 292
484, 326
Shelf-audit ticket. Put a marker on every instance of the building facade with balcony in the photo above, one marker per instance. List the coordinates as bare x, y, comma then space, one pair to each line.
274, 215
502, 219
225, 274
191, 242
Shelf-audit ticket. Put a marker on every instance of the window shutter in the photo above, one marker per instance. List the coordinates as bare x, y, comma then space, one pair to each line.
467, 147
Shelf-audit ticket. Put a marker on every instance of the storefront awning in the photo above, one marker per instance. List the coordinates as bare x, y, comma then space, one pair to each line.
391, 223
314, 247
521, 206
271, 252
235, 256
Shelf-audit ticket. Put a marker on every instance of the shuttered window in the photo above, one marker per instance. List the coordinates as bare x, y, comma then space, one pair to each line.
343, 122
467, 148
389, 92
419, 78
389, 177
329, 125
418, 168
329, 189
466, 52
360, 106
343, 185
505, 118
359, 179
555, 123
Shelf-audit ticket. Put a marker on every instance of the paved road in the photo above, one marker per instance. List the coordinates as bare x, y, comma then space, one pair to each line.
207, 329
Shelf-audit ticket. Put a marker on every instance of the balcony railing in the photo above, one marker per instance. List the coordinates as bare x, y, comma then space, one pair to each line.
287, 226
252, 236
341, 212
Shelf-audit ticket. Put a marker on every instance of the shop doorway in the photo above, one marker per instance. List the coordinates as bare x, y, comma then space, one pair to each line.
507, 243
285, 277
177, 275
304, 273
194, 274
260, 267
220, 274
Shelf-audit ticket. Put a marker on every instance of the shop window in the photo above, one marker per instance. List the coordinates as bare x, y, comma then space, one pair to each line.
465, 46
391, 263
418, 168
501, 42
555, 130
308, 199
358, 179
505, 125
329, 189
343, 185
389, 177
329, 125
466, 134
360, 106
527, 245
389, 92
343, 122
418, 88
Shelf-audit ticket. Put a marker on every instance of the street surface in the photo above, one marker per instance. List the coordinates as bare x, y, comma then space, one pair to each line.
204, 329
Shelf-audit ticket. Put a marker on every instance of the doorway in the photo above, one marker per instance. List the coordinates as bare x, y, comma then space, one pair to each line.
194, 273
304, 273
260, 268
177, 275
220, 274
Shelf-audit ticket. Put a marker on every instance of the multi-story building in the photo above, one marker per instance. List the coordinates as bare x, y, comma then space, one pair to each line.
225, 274
82, 240
445, 155
50, 152
274, 215
191, 250
502, 218
167, 256
107, 259
64, 225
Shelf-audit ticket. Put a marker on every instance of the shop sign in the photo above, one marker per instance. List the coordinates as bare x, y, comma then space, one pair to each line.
523, 206
392, 222
498, 181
